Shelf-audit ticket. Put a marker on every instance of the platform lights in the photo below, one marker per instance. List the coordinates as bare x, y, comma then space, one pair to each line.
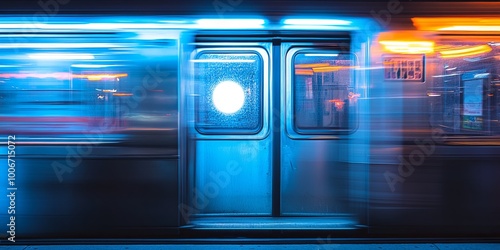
204, 23
472, 24
406, 42
121, 23
318, 24
464, 51
230, 23
408, 47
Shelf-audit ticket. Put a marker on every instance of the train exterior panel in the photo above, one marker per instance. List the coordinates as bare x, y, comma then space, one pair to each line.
369, 123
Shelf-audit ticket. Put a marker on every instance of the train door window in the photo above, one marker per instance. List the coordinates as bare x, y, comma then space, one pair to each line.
324, 96
229, 87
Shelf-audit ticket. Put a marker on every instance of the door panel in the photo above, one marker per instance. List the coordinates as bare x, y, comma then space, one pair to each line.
315, 180
283, 149
233, 177
230, 130
320, 99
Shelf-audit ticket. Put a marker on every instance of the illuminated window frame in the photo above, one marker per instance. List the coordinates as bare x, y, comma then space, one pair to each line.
263, 129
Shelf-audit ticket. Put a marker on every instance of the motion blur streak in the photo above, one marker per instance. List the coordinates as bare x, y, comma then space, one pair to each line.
253, 126
94, 111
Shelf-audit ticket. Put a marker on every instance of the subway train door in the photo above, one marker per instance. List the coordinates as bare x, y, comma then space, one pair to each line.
323, 137
268, 128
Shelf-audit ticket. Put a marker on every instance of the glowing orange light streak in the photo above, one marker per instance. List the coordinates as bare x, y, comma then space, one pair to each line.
331, 68
311, 65
457, 23
122, 94
304, 72
468, 51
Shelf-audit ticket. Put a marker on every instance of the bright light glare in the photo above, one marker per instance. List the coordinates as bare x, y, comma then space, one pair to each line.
316, 22
60, 56
80, 26
457, 23
408, 47
63, 45
230, 23
471, 28
228, 97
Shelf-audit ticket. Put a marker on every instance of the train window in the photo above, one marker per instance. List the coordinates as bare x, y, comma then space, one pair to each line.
61, 97
463, 92
230, 89
324, 95
67, 87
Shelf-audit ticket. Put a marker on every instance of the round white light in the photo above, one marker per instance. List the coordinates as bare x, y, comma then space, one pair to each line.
228, 97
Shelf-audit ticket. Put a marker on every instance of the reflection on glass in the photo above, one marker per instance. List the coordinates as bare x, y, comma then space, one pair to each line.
462, 93
324, 93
